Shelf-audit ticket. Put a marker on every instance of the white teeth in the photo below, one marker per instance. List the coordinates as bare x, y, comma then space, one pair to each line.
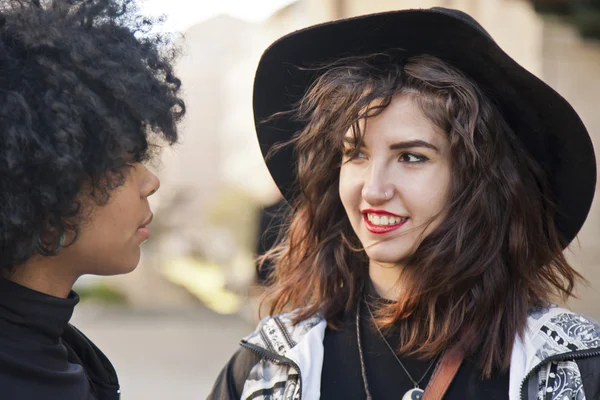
384, 220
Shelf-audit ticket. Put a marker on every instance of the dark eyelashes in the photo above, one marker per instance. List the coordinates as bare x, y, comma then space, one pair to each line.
420, 158
352, 153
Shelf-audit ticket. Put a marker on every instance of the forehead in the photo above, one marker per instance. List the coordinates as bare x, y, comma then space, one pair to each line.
402, 120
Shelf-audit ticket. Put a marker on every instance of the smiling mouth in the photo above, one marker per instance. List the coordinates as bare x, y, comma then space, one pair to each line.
384, 220
382, 223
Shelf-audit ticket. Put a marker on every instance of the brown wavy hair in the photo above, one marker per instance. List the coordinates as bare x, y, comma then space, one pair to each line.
496, 254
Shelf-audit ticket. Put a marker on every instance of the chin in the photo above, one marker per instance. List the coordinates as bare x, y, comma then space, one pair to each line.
127, 269
386, 257
388, 252
116, 270
125, 266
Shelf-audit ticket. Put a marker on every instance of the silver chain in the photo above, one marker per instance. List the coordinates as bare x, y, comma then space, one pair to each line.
363, 369
360, 351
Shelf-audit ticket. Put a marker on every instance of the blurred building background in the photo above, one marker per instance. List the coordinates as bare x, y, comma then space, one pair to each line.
194, 288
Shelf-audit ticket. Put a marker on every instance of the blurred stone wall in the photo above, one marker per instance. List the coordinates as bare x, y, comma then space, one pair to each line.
572, 67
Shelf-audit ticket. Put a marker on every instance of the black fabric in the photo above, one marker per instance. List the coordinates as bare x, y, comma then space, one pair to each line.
589, 368
341, 377
544, 121
42, 356
230, 382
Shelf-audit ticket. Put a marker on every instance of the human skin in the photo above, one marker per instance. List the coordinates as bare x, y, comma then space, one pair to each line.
402, 170
108, 241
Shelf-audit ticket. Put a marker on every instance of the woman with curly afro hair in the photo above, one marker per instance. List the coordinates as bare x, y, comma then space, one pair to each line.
87, 94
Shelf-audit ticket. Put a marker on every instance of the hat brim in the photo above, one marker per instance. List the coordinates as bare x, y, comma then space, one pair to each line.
545, 122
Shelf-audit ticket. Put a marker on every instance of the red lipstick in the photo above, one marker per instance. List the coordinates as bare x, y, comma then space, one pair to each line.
381, 229
380, 212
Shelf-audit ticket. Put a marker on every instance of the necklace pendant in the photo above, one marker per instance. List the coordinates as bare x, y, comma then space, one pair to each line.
413, 394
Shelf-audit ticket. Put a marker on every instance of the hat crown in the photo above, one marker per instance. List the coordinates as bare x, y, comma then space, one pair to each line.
463, 17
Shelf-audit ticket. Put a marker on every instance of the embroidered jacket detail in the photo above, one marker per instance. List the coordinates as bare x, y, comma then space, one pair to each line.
561, 380
269, 380
563, 332
551, 331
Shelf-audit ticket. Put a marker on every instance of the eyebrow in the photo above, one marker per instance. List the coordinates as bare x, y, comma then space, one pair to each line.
409, 144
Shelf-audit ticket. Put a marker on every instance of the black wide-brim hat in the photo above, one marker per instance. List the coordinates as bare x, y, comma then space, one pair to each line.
545, 122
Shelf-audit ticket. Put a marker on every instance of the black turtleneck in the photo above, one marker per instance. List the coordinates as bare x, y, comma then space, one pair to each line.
42, 356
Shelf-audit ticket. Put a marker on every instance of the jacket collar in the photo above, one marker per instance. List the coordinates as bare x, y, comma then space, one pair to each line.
301, 343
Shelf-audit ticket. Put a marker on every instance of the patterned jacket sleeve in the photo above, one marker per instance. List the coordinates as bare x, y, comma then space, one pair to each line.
230, 382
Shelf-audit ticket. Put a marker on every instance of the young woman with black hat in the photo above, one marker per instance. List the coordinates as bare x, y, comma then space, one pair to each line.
434, 184
86, 96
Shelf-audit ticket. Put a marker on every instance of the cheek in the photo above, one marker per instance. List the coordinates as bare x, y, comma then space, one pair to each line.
109, 217
114, 221
350, 189
427, 195
98, 234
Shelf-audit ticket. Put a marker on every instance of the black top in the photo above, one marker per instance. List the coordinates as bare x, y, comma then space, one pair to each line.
42, 356
341, 377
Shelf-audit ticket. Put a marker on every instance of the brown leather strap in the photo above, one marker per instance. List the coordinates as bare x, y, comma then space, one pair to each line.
443, 374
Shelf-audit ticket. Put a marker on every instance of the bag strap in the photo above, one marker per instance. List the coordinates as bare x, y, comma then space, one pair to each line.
443, 374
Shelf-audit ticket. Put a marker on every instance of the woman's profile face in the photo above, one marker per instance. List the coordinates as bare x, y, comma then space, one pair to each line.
110, 237
395, 189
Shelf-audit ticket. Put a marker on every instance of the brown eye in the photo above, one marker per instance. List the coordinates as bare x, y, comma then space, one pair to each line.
412, 158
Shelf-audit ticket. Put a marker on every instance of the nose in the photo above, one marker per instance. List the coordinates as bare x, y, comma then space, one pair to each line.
151, 183
377, 188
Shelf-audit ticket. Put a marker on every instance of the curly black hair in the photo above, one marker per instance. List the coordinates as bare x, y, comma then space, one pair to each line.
86, 87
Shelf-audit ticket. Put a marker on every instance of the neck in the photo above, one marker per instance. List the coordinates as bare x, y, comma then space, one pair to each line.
386, 279
45, 275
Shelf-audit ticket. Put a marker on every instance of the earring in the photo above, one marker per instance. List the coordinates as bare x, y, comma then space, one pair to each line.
43, 250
